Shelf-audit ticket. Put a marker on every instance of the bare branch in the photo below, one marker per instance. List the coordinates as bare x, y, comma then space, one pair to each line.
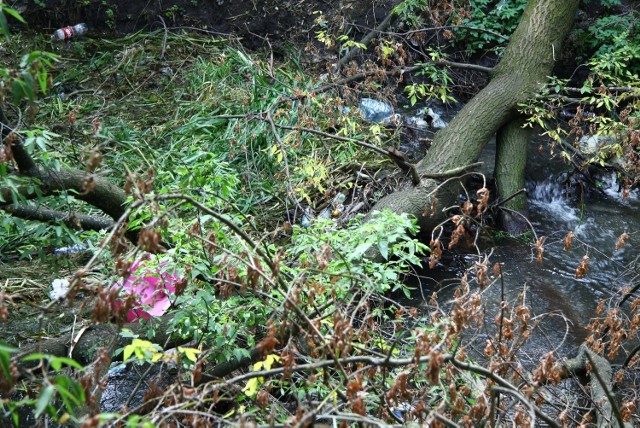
74, 220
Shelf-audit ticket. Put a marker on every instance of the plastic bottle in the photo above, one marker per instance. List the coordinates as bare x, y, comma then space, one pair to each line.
67, 33
67, 251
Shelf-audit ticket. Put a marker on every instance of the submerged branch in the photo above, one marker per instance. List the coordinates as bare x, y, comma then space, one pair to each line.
600, 371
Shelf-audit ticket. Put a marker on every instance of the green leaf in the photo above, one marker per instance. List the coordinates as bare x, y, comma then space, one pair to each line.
29, 86
5, 364
383, 246
14, 13
128, 351
7, 348
360, 250
34, 357
42, 80
190, 353
70, 391
4, 27
240, 353
268, 362
251, 388
126, 333
57, 362
45, 399
17, 89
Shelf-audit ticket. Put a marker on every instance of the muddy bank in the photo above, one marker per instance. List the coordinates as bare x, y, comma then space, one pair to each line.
253, 21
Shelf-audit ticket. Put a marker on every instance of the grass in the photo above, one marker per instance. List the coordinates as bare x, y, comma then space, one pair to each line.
193, 123
148, 105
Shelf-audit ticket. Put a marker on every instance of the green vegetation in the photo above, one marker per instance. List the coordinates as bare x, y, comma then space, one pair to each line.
486, 25
182, 129
248, 180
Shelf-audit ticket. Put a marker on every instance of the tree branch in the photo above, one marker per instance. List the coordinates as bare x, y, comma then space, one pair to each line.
86, 346
367, 39
601, 386
74, 220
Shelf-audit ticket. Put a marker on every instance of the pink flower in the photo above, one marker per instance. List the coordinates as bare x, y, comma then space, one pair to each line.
151, 287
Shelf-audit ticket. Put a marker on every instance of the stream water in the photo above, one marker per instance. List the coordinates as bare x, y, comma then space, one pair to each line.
597, 218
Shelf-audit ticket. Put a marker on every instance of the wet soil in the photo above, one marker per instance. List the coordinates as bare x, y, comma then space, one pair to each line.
28, 283
257, 22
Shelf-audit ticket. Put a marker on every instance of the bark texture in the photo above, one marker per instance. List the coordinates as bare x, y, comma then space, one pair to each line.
600, 376
108, 198
87, 187
74, 220
511, 158
88, 343
527, 61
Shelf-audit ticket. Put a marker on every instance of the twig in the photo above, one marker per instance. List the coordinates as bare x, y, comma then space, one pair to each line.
629, 294
451, 172
504, 383
521, 398
362, 75
533, 230
421, 30
445, 421
633, 352
164, 37
465, 66
141, 379
397, 156
508, 198
366, 39
334, 137
501, 325
611, 88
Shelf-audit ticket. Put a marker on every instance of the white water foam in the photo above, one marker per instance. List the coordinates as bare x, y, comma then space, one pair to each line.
549, 196
612, 189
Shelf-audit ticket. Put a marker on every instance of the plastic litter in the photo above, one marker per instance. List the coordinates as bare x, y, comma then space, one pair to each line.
432, 117
417, 122
66, 251
118, 369
591, 143
403, 410
65, 34
333, 210
59, 289
307, 218
378, 112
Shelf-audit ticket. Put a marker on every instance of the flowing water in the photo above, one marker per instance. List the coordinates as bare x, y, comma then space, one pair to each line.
597, 218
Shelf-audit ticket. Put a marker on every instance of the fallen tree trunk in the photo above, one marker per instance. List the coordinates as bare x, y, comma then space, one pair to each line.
85, 344
528, 60
85, 186
74, 220
511, 159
